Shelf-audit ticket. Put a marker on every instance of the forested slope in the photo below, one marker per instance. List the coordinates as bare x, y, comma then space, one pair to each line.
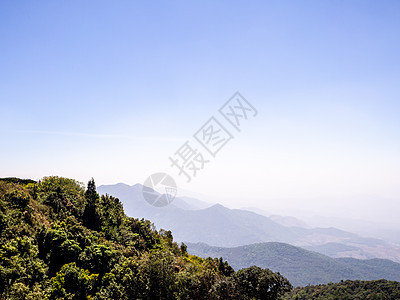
59, 240
349, 290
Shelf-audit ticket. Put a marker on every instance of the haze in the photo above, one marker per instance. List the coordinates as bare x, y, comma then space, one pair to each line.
111, 91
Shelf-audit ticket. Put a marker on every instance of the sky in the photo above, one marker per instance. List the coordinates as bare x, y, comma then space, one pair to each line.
112, 90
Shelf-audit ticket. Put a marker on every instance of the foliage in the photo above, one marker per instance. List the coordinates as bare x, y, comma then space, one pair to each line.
17, 180
256, 282
72, 282
374, 290
60, 241
92, 214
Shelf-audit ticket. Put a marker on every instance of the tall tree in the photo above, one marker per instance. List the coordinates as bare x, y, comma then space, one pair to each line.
91, 193
91, 215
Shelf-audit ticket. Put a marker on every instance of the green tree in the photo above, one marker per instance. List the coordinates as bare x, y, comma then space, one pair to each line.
19, 264
98, 258
73, 282
258, 283
56, 248
91, 214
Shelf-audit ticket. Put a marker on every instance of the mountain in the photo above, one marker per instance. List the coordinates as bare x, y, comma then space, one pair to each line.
59, 240
220, 226
300, 266
288, 221
216, 225
388, 232
282, 220
190, 203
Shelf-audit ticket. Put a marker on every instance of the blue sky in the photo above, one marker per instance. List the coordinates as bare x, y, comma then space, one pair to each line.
112, 89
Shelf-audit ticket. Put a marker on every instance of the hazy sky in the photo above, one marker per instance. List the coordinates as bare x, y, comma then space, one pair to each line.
113, 89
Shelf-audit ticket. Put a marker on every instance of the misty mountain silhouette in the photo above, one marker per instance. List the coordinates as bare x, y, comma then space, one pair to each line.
220, 226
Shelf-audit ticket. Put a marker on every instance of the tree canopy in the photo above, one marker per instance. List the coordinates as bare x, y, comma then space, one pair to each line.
350, 290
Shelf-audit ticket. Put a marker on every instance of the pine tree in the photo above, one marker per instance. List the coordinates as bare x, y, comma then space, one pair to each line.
91, 215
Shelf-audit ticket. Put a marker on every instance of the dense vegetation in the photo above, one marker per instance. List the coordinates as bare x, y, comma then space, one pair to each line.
349, 290
60, 241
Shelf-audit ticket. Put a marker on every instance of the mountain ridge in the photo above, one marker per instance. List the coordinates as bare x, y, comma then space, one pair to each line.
302, 267
221, 226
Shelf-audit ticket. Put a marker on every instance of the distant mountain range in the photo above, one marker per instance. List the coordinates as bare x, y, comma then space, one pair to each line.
192, 220
300, 266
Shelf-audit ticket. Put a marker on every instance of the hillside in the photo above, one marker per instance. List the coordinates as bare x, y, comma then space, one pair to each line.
300, 266
220, 226
349, 290
59, 240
